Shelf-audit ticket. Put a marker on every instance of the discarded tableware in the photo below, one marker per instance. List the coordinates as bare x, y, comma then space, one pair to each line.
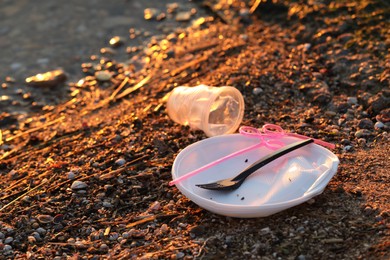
235, 182
267, 136
215, 110
281, 184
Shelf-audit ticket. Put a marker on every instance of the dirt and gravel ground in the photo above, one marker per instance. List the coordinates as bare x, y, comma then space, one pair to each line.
88, 179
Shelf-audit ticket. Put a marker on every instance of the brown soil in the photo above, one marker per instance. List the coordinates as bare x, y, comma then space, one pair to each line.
321, 68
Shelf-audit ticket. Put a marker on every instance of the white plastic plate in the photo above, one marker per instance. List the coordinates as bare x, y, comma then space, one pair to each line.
284, 183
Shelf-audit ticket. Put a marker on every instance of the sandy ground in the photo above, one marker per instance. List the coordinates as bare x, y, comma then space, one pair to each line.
88, 178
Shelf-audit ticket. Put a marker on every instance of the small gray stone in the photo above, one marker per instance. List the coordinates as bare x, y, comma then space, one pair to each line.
348, 148
7, 248
113, 236
103, 247
2, 236
257, 91
183, 16
366, 123
126, 235
36, 235
95, 165
229, 239
71, 175
78, 185
180, 255
352, 100
120, 162
8, 240
107, 204
103, 75
301, 229
41, 231
379, 125
265, 230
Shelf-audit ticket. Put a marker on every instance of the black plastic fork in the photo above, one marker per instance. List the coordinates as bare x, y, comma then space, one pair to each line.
235, 182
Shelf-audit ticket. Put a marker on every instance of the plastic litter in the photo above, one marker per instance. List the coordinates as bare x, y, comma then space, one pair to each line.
267, 136
215, 110
282, 184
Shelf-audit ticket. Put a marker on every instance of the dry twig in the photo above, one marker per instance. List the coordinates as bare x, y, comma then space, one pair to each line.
35, 129
254, 6
28, 192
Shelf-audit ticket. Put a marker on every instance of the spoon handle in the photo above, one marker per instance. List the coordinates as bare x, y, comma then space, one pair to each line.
271, 157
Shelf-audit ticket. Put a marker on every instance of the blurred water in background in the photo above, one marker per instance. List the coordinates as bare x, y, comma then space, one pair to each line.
43, 35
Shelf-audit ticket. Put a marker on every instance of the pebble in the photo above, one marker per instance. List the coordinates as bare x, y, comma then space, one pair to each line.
113, 236
45, 219
365, 123
330, 113
9, 79
362, 133
300, 229
378, 102
7, 248
71, 240
345, 141
347, 148
116, 41
120, 162
301, 257
47, 79
2, 236
384, 115
257, 91
36, 235
265, 230
103, 247
126, 235
362, 141
172, 7
107, 50
31, 239
35, 225
352, 100
183, 16
58, 218
103, 75
198, 230
229, 239
378, 218
41, 231
182, 225
107, 204
180, 255
71, 175
77, 185
379, 125
151, 13
8, 240
164, 228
